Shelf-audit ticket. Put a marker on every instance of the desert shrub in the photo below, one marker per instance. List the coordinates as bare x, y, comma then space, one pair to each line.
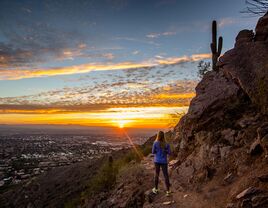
103, 180
131, 172
147, 150
107, 174
72, 203
203, 68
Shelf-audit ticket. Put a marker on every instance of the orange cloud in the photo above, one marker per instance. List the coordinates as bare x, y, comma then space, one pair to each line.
16, 74
175, 96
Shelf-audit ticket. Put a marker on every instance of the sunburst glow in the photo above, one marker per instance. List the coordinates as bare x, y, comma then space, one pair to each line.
142, 117
121, 124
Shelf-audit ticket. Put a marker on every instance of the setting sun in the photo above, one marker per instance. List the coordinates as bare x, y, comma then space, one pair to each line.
121, 124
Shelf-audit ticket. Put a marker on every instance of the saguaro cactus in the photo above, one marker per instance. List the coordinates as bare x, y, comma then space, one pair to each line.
215, 49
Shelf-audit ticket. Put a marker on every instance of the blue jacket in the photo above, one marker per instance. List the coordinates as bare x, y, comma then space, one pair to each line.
160, 155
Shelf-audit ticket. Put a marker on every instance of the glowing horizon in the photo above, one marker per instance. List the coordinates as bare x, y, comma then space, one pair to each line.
140, 117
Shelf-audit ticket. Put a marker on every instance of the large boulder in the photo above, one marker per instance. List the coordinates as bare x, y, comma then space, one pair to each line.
218, 98
262, 29
247, 64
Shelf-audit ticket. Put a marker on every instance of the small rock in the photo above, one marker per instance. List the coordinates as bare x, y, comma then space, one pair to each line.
262, 130
230, 205
214, 150
241, 169
248, 191
246, 203
119, 192
229, 178
255, 148
260, 201
224, 151
120, 186
228, 135
186, 170
173, 163
168, 202
201, 136
264, 144
247, 120
263, 178
149, 196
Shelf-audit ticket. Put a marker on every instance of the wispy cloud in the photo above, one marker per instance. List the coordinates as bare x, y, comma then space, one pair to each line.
101, 97
72, 53
226, 21
15, 74
157, 35
136, 40
135, 52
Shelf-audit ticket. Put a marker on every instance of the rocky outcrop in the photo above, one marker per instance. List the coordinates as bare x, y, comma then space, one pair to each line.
247, 63
223, 137
262, 29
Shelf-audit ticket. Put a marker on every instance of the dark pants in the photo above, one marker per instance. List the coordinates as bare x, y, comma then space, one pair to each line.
165, 173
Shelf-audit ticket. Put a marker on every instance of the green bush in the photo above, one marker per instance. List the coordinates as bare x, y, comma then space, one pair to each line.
146, 150
103, 180
72, 203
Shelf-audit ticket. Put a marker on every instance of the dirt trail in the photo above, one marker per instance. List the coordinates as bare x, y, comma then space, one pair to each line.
179, 198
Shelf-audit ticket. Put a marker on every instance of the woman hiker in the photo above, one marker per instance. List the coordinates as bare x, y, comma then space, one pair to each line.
160, 150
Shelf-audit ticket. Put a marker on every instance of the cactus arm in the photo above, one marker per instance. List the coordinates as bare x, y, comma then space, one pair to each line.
220, 45
215, 47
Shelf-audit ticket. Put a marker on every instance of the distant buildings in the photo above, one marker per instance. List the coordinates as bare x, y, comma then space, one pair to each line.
25, 156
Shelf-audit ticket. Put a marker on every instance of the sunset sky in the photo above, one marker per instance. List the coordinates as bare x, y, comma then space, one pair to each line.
107, 62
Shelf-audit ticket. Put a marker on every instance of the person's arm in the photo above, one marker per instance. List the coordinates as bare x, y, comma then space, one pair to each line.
153, 149
168, 150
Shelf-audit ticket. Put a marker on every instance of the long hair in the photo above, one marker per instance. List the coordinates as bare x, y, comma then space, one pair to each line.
161, 138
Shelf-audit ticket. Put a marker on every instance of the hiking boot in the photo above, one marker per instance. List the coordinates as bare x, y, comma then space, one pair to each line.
155, 190
168, 193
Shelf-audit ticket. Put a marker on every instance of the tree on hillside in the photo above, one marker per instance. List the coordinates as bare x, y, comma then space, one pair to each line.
203, 68
256, 7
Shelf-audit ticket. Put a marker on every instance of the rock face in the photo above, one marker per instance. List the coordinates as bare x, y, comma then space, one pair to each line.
247, 63
225, 130
262, 29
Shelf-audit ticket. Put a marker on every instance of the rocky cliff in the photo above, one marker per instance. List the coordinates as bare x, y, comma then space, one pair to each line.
223, 139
